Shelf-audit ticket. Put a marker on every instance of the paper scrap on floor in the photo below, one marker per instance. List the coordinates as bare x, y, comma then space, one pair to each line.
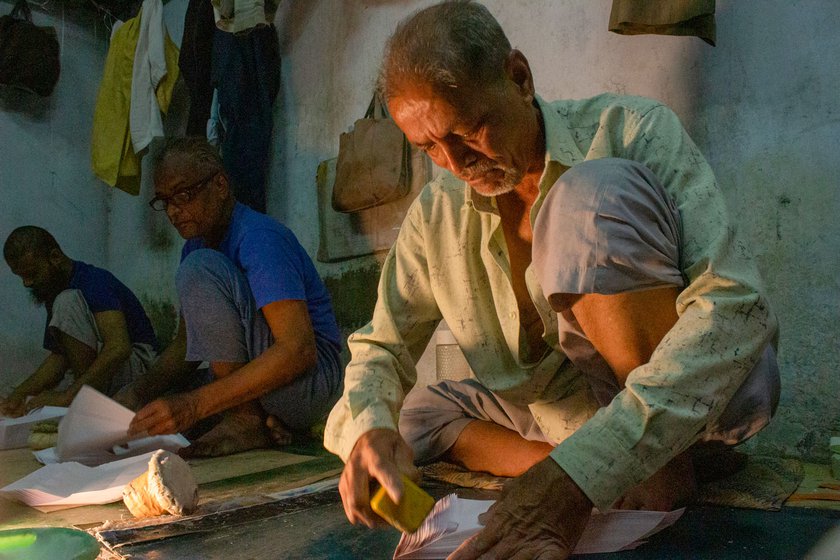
453, 520
14, 432
95, 431
68, 485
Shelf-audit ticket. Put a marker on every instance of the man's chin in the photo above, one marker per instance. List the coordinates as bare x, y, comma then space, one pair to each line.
490, 188
493, 183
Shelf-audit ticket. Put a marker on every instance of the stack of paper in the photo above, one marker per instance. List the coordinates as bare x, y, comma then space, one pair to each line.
68, 485
95, 431
453, 520
14, 432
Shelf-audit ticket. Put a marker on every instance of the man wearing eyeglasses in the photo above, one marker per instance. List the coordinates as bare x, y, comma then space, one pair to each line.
252, 306
97, 330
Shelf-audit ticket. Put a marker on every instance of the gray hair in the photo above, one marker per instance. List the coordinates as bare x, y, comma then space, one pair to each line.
194, 148
28, 239
448, 45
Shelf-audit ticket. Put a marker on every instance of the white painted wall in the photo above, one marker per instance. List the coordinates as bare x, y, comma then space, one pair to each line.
761, 105
45, 179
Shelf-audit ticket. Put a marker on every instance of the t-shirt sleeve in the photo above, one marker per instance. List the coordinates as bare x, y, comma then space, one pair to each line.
100, 293
271, 262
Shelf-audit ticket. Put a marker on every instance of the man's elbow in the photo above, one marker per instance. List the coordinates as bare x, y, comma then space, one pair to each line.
308, 356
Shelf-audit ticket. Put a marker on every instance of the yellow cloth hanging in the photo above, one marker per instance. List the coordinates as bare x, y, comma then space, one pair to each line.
668, 17
112, 154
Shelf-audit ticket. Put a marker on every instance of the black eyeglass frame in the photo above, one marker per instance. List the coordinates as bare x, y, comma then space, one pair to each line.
187, 194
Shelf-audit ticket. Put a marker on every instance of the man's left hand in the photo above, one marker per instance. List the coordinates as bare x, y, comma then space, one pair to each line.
540, 515
49, 398
167, 415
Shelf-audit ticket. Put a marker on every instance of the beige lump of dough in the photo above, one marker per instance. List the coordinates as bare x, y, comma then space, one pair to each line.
167, 486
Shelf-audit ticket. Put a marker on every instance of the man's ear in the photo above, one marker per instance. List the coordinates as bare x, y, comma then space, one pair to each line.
518, 71
55, 256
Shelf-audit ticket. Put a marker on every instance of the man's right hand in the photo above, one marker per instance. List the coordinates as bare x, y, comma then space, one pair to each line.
380, 455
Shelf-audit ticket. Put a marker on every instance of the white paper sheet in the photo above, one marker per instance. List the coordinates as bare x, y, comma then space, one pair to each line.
14, 432
95, 431
453, 520
68, 485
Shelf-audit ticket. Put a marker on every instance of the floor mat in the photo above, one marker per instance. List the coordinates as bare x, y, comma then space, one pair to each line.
765, 483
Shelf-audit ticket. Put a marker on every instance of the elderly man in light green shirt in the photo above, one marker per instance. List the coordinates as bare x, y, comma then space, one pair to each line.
581, 254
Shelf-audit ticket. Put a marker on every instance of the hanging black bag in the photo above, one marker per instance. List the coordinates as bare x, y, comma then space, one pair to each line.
29, 54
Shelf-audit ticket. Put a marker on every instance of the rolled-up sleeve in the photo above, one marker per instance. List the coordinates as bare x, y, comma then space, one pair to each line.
723, 327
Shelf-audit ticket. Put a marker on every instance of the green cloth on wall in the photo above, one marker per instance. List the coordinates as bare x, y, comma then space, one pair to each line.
664, 17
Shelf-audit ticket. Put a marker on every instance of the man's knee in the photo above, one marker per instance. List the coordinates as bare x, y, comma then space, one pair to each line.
200, 267
431, 420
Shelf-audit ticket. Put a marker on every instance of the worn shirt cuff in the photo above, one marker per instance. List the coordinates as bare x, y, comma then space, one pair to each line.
343, 430
599, 462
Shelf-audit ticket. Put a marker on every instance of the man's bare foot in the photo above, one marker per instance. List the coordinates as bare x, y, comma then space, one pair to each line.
670, 487
277, 431
237, 431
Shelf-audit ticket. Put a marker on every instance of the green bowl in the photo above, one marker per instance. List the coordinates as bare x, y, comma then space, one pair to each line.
49, 543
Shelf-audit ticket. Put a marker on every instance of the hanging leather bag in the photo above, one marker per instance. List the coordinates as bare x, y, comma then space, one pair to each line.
29, 54
374, 162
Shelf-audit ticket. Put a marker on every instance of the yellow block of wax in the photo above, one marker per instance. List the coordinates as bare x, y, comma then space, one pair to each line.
408, 515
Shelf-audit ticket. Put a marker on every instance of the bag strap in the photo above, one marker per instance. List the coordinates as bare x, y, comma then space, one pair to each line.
376, 103
22, 11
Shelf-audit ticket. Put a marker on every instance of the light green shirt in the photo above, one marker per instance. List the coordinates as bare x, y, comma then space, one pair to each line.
450, 261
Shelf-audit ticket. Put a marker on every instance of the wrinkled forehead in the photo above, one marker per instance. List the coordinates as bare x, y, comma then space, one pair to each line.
174, 172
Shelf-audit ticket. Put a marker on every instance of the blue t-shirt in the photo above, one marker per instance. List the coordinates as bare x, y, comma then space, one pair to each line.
276, 266
103, 292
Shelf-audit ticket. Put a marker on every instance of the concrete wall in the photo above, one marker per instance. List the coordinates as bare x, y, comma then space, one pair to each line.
760, 105
45, 177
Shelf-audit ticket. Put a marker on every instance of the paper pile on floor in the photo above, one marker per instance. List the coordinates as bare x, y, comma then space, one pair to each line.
68, 485
453, 520
14, 432
93, 433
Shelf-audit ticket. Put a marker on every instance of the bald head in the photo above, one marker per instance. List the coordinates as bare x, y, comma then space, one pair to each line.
29, 240
449, 45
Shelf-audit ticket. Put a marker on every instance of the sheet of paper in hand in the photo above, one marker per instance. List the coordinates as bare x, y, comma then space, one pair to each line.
95, 431
14, 432
453, 520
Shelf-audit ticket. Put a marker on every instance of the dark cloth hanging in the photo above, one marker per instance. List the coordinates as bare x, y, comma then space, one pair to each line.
668, 17
196, 57
246, 75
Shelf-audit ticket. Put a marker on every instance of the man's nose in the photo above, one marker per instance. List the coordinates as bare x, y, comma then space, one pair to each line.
171, 210
458, 156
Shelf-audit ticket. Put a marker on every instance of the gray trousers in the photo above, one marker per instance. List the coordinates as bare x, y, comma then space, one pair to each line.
624, 238
225, 325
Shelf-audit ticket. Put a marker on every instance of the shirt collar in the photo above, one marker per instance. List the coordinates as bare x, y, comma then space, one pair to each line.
560, 145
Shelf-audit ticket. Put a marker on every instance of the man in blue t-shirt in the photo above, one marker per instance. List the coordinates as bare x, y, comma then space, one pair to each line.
252, 306
96, 328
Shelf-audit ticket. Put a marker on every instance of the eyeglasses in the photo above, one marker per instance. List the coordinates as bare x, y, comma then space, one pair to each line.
184, 196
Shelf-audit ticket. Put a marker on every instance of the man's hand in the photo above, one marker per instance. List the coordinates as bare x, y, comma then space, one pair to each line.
167, 415
540, 515
379, 454
13, 406
49, 398
129, 398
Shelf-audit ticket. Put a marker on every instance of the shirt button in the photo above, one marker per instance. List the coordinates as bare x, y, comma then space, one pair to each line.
513, 314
